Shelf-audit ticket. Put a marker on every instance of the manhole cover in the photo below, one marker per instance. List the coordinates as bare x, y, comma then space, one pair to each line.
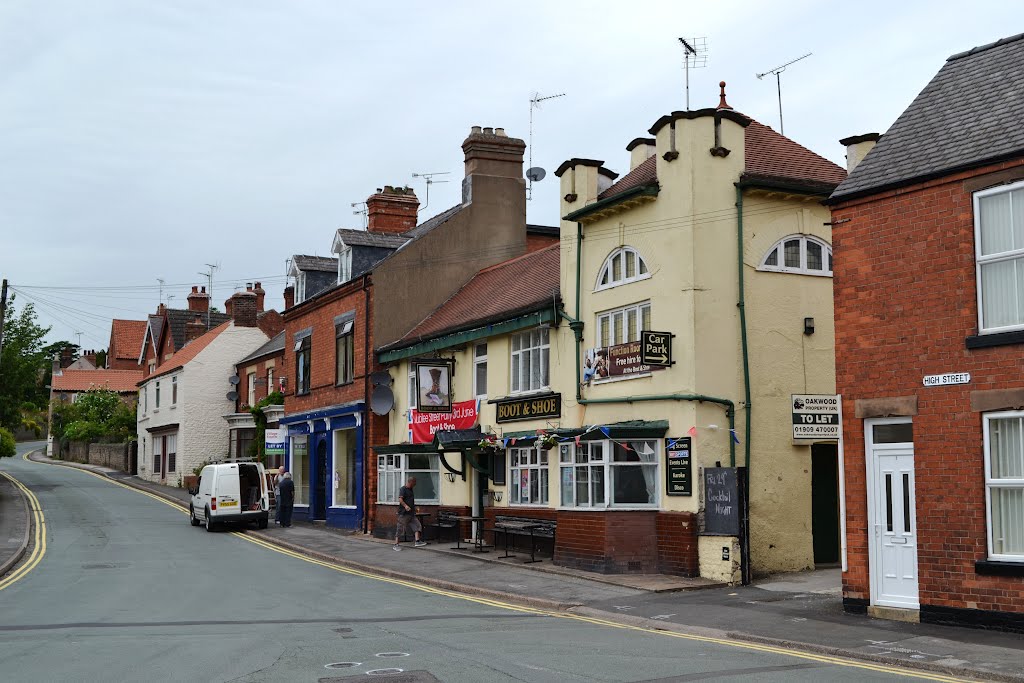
342, 665
392, 654
384, 672
343, 630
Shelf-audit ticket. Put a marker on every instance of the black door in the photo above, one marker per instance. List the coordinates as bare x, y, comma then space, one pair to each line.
320, 482
825, 503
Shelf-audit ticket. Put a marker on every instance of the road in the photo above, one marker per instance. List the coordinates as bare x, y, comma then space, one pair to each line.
128, 591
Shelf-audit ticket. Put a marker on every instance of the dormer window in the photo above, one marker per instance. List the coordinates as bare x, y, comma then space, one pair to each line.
345, 265
799, 254
300, 287
624, 265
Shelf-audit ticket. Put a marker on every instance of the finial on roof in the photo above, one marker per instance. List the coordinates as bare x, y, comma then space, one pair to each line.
722, 104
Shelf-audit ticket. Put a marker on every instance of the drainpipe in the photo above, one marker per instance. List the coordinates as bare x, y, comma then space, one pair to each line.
741, 304
366, 402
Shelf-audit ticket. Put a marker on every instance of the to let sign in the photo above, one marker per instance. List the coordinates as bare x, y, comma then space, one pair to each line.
816, 416
656, 348
530, 408
948, 378
678, 456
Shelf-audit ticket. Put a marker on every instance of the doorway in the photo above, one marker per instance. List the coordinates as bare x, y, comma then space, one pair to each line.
825, 503
892, 515
320, 480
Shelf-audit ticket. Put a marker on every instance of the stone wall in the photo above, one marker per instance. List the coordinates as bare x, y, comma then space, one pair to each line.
112, 455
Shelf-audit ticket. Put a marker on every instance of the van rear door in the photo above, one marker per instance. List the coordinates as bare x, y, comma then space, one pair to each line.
228, 499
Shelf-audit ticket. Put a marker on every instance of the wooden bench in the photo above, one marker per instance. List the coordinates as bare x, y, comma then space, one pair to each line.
445, 520
525, 526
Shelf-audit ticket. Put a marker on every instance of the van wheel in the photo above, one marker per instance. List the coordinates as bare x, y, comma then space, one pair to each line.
262, 524
192, 516
209, 521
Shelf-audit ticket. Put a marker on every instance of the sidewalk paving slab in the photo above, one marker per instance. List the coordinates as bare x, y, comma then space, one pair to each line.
15, 525
801, 611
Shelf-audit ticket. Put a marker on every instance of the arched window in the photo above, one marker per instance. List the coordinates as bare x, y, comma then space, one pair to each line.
622, 266
799, 254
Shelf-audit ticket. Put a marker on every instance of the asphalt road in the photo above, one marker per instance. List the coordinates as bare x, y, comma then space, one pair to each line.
128, 591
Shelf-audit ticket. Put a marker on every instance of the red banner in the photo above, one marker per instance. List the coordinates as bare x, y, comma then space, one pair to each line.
423, 425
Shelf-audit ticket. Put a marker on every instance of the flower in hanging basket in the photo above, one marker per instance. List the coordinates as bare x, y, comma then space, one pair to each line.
547, 441
489, 443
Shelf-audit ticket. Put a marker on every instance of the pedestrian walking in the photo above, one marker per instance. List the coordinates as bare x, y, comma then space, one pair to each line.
407, 519
287, 499
277, 494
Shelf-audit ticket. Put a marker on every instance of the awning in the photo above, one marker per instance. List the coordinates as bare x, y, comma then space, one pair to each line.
457, 439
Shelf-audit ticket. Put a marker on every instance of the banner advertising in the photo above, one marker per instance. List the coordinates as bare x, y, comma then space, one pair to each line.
274, 440
423, 425
615, 361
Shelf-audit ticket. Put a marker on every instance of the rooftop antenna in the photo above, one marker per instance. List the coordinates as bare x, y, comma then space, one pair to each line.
209, 290
429, 177
695, 56
169, 297
161, 298
535, 172
364, 212
79, 335
777, 71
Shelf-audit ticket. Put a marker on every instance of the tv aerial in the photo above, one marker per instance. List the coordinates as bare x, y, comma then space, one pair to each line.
695, 56
364, 211
777, 71
536, 173
429, 178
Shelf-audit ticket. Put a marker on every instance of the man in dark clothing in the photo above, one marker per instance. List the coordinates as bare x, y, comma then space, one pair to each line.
407, 518
287, 500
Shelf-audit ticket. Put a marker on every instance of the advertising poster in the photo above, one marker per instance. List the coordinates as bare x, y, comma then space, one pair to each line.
423, 425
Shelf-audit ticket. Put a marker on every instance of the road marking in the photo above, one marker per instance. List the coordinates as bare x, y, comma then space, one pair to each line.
757, 647
39, 537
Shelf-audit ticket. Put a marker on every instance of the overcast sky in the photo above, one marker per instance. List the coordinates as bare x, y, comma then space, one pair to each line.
143, 140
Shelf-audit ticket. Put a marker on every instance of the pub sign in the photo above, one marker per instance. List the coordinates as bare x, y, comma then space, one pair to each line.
528, 408
678, 468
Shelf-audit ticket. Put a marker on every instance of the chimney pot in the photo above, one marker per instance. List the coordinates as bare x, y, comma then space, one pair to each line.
289, 297
203, 289
392, 210
475, 130
195, 289
488, 131
261, 296
496, 155
857, 147
500, 132
248, 286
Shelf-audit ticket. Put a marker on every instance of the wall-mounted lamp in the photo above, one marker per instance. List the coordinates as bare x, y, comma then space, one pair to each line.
496, 495
808, 326
450, 476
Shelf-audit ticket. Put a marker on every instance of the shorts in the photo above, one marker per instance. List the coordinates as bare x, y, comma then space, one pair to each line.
407, 523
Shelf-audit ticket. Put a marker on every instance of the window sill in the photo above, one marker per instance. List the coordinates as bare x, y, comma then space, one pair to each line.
343, 507
344, 384
530, 392
532, 506
999, 567
302, 393
631, 508
619, 378
984, 341
172, 407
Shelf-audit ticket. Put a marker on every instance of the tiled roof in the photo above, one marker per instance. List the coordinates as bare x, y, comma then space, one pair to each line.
121, 381
275, 345
177, 318
323, 263
127, 336
365, 238
515, 286
967, 115
645, 172
771, 155
191, 350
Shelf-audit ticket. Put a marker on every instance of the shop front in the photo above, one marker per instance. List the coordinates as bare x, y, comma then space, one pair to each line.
324, 448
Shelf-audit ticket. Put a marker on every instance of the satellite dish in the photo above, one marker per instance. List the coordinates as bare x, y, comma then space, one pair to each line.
536, 174
382, 400
381, 378
234, 379
232, 395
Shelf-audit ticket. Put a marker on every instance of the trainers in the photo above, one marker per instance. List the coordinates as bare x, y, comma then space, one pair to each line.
396, 547
420, 544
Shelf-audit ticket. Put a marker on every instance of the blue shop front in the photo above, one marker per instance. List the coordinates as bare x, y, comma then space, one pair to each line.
324, 455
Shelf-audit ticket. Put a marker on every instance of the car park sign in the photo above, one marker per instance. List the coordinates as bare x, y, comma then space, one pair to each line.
816, 417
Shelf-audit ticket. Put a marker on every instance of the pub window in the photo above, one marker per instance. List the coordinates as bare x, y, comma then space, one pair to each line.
480, 370
530, 360
609, 474
302, 358
624, 265
394, 468
344, 352
623, 324
529, 476
799, 254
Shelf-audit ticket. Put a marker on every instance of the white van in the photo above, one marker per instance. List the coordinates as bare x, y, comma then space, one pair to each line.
230, 492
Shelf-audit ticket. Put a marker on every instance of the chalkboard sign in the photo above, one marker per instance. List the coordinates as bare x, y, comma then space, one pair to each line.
721, 502
678, 468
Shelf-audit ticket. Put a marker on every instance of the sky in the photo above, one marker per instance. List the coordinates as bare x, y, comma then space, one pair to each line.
145, 140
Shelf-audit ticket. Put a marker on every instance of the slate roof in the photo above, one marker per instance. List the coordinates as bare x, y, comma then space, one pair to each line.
127, 337
502, 291
275, 345
156, 326
121, 381
322, 263
180, 358
969, 114
646, 172
178, 317
548, 230
365, 238
431, 223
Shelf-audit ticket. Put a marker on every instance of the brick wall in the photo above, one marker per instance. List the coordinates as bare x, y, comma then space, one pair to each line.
260, 367
677, 543
905, 300
386, 518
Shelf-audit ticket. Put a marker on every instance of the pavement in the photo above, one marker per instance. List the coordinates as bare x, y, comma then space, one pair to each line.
800, 611
15, 522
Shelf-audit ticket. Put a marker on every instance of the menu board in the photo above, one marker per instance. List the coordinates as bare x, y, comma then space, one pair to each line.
678, 466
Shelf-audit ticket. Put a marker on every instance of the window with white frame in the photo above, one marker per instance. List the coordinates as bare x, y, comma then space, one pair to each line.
1004, 484
412, 387
393, 469
157, 395
530, 352
145, 399
624, 265
300, 287
303, 355
480, 370
157, 454
623, 325
345, 265
344, 352
174, 390
999, 250
270, 381
600, 474
800, 254
171, 443
251, 385
528, 469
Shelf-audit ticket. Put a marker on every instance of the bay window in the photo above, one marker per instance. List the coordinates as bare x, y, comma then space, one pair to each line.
999, 251
529, 476
609, 474
1004, 484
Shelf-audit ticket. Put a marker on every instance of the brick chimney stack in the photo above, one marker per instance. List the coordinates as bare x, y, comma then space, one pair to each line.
261, 296
227, 305
198, 300
194, 329
90, 356
289, 297
392, 210
489, 151
243, 309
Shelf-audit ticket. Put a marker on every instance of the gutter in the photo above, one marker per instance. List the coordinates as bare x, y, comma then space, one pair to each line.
649, 190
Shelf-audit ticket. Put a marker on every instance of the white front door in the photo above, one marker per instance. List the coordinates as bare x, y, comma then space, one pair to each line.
892, 517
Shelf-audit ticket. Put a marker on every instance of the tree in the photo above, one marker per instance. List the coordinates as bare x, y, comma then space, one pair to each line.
95, 414
7, 445
23, 365
101, 358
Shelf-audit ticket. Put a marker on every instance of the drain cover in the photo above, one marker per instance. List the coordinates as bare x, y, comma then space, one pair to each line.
392, 654
384, 672
342, 665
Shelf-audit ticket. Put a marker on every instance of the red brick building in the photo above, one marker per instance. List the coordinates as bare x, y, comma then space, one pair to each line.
929, 305
125, 343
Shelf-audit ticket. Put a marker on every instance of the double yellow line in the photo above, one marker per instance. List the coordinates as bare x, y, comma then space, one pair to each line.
757, 647
39, 537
